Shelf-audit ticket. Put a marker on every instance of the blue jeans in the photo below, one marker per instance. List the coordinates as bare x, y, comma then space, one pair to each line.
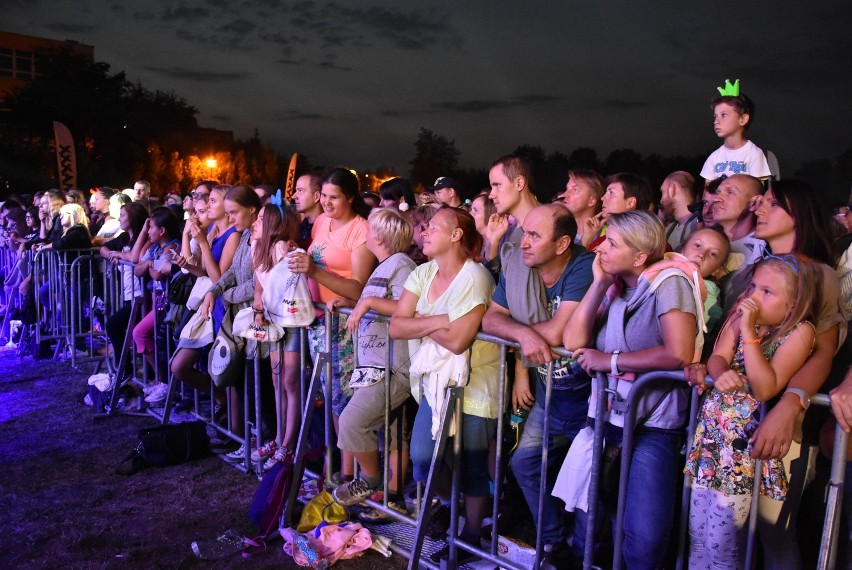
651, 501
477, 435
568, 410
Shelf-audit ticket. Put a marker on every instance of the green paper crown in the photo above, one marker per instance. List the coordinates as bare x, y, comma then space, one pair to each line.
730, 90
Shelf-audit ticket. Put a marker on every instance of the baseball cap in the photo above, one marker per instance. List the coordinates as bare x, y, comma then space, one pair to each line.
445, 182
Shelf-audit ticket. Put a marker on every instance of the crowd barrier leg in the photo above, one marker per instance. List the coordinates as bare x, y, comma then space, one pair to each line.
302, 443
329, 421
451, 401
498, 470
834, 495
542, 489
751, 539
159, 314
258, 416
387, 408
594, 482
686, 489
124, 353
633, 398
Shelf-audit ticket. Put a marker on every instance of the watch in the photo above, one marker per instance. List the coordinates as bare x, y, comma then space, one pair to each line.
804, 398
613, 363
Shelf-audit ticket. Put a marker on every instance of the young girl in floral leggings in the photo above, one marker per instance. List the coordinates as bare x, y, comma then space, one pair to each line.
766, 340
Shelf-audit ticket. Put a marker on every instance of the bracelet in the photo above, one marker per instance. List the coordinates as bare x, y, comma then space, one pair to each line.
257, 311
756, 340
613, 363
804, 397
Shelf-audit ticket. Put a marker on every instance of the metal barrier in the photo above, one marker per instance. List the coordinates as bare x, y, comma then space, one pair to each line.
61, 291
452, 406
9, 258
828, 544
65, 279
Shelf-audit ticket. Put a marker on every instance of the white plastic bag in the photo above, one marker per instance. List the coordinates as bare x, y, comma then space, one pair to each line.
244, 326
286, 297
197, 332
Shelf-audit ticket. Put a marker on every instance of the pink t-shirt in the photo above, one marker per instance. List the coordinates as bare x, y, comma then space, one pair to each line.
332, 250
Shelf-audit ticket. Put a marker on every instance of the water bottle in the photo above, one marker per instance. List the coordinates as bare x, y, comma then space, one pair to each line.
227, 544
518, 417
159, 297
311, 555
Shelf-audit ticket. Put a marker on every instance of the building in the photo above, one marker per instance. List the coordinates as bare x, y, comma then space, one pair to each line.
20, 57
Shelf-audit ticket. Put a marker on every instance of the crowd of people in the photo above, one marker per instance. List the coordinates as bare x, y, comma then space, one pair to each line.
736, 277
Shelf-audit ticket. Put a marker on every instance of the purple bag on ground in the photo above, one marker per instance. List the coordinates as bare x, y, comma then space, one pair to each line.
271, 496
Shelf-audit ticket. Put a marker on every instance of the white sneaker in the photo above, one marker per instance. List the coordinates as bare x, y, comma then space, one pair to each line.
157, 394
239, 454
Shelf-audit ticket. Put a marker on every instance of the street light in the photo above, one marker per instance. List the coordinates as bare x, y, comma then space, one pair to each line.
211, 164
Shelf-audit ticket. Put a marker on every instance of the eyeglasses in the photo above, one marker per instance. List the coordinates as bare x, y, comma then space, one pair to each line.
197, 195
789, 258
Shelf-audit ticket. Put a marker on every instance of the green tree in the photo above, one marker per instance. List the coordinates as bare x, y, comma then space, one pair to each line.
434, 156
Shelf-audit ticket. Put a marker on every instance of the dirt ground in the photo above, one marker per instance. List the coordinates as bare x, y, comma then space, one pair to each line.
62, 505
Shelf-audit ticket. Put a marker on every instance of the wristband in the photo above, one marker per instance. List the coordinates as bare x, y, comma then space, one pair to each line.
755, 340
804, 398
613, 363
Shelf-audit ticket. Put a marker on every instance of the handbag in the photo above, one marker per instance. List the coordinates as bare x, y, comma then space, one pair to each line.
180, 286
287, 298
197, 332
196, 296
227, 356
365, 376
322, 509
245, 327
166, 445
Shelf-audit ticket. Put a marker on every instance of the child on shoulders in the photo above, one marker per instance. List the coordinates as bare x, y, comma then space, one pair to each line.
733, 113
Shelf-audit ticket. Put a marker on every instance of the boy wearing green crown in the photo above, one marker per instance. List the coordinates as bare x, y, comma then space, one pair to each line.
732, 116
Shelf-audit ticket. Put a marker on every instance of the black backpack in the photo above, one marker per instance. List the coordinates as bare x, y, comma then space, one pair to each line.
172, 444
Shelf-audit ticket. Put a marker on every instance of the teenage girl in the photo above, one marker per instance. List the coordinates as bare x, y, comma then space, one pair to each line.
210, 241
273, 235
159, 237
767, 339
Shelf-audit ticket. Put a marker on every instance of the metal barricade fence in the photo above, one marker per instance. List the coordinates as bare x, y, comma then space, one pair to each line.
56, 292
65, 287
452, 406
828, 544
123, 288
11, 297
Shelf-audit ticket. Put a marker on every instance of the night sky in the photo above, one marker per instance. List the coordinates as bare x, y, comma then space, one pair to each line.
353, 82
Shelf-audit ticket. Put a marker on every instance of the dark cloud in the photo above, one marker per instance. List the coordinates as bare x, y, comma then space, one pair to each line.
221, 118
184, 13
238, 27
294, 115
333, 66
72, 28
290, 61
479, 106
196, 75
620, 104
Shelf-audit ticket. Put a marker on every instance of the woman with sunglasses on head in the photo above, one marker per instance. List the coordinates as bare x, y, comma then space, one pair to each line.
791, 220
339, 262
